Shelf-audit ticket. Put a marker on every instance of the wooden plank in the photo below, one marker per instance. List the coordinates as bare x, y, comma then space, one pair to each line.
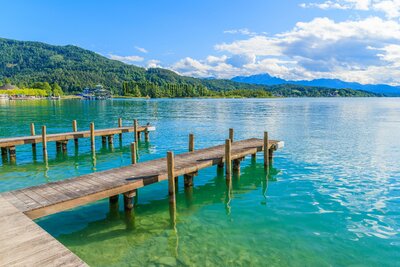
24, 243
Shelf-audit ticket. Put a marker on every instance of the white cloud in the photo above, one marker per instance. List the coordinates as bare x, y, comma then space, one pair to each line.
141, 49
153, 63
364, 50
243, 31
126, 59
391, 8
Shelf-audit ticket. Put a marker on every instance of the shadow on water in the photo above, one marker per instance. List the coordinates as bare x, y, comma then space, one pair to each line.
150, 221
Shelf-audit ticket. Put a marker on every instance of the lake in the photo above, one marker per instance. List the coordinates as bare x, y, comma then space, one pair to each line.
332, 197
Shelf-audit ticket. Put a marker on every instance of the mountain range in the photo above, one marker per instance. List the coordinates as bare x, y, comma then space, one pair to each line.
267, 79
25, 63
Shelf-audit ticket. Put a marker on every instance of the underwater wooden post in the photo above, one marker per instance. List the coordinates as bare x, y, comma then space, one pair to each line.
135, 129
146, 135
110, 140
92, 139
128, 197
171, 187
12, 153
44, 141
75, 129
191, 142
33, 134
236, 165
228, 158
133, 153
266, 150
231, 134
171, 176
4, 151
103, 140
120, 126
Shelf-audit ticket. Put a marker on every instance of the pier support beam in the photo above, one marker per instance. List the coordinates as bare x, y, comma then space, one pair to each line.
12, 153
110, 140
188, 179
231, 134
120, 126
171, 188
133, 153
191, 142
33, 134
236, 165
128, 200
146, 135
266, 151
4, 152
44, 142
135, 130
103, 140
75, 129
228, 158
92, 139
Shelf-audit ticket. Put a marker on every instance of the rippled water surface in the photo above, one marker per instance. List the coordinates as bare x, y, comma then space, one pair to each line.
332, 198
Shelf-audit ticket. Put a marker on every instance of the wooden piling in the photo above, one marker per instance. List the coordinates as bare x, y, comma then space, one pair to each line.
4, 151
128, 200
133, 153
110, 140
191, 142
236, 165
75, 129
146, 135
266, 150
58, 146
231, 134
33, 134
228, 157
120, 125
135, 126
171, 176
44, 142
92, 139
64, 146
12, 153
103, 140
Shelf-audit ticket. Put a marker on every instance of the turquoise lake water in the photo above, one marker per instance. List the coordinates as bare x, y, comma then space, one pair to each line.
331, 199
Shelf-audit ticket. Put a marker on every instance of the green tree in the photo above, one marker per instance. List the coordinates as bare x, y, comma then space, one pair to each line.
57, 90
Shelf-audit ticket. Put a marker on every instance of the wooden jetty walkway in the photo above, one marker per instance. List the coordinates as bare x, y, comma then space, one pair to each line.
8, 145
42, 200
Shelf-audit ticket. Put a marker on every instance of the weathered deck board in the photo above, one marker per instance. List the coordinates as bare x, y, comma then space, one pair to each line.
42, 200
22, 140
24, 243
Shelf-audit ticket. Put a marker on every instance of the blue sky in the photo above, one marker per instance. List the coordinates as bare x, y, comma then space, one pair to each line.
354, 40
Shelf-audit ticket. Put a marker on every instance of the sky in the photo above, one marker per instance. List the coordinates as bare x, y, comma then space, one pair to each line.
352, 40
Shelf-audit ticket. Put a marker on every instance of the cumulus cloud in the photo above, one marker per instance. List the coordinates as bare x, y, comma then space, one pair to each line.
153, 63
141, 49
126, 59
391, 8
365, 50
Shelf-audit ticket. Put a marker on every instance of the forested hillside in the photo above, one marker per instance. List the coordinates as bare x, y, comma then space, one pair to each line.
26, 63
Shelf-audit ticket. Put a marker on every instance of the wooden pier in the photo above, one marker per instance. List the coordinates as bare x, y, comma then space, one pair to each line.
42, 200
8, 145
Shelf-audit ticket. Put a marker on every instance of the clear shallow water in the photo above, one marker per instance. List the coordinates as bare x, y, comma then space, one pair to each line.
332, 198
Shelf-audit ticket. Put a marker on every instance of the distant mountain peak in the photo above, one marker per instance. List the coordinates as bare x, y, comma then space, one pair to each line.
267, 79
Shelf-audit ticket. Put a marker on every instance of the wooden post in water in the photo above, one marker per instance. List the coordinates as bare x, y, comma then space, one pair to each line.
92, 139
120, 126
236, 166
110, 140
135, 130
231, 134
191, 142
103, 140
146, 135
33, 134
12, 153
64, 146
44, 142
171, 187
266, 150
128, 197
228, 158
133, 153
75, 129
